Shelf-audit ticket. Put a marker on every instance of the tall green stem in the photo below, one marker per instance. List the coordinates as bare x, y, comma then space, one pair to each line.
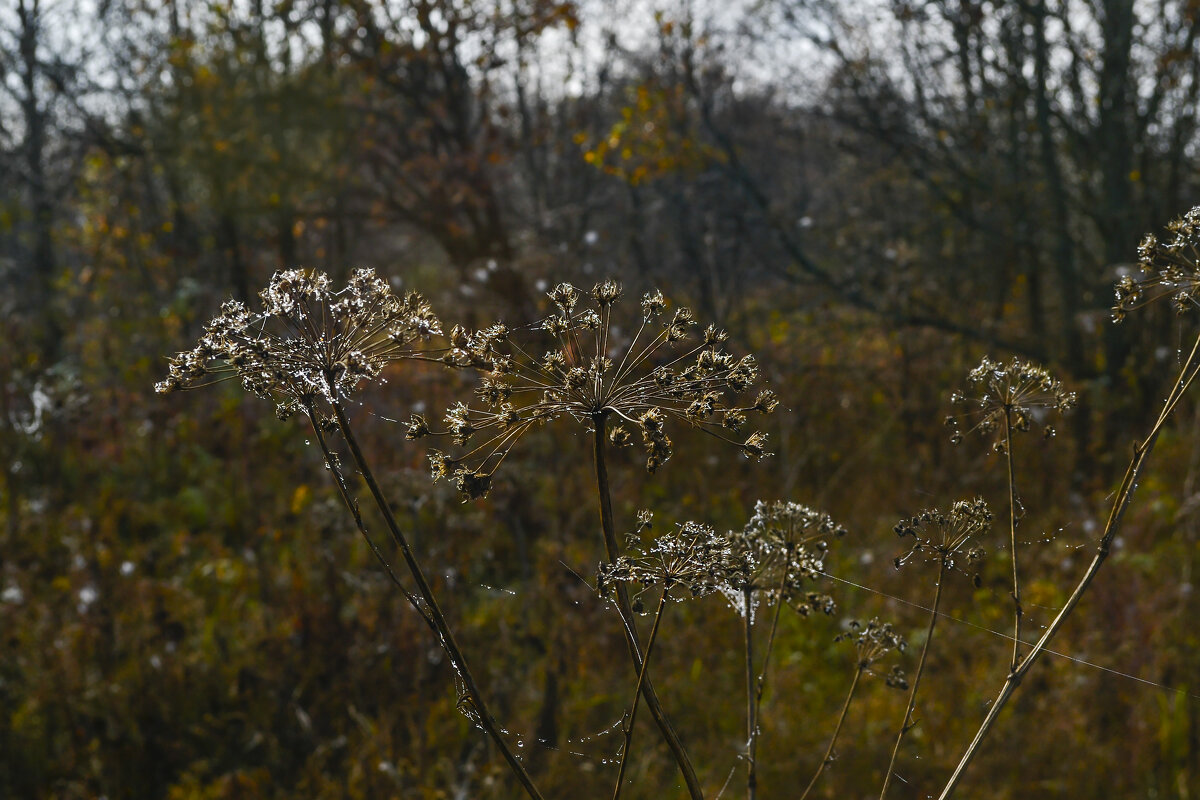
908, 723
484, 715
1141, 452
629, 622
837, 729
637, 693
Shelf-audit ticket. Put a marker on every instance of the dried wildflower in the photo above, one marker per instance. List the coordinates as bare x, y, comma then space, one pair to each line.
1168, 267
586, 373
872, 642
309, 343
781, 549
896, 679
1020, 391
692, 556
949, 537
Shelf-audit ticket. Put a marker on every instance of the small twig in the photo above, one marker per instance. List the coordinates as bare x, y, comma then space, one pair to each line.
837, 729
637, 692
908, 723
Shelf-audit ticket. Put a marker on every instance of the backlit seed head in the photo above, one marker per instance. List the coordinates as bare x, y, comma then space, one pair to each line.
1169, 266
310, 344
565, 296
949, 537
1017, 395
693, 556
589, 372
606, 292
780, 552
416, 427
872, 642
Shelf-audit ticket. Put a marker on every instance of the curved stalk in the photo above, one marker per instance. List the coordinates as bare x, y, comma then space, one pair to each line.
1012, 529
837, 729
908, 723
629, 622
445, 636
637, 692
1141, 452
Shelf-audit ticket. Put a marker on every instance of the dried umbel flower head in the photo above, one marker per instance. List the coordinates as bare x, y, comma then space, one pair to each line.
309, 343
779, 550
1019, 394
1169, 266
693, 556
872, 642
947, 537
574, 364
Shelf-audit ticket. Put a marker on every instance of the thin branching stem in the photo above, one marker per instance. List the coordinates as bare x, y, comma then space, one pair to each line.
637, 692
837, 729
629, 622
1141, 452
908, 722
1012, 529
482, 713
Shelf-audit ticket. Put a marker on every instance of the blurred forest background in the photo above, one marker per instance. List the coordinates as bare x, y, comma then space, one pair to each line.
868, 195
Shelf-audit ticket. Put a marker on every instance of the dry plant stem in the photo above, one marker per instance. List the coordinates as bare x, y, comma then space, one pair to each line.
908, 723
637, 693
340, 480
1141, 452
837, 729
751, 696
486, 721
629, 622
755, 689
1018, 612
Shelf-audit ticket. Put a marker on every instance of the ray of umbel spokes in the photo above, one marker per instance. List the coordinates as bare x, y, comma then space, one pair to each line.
572, 364
309, 350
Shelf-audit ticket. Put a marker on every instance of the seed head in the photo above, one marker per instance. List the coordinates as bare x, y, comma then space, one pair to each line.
779, 551
949, 537
309, 343
1168, 267
692, 556
585, 372
1020, 391
872, 642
